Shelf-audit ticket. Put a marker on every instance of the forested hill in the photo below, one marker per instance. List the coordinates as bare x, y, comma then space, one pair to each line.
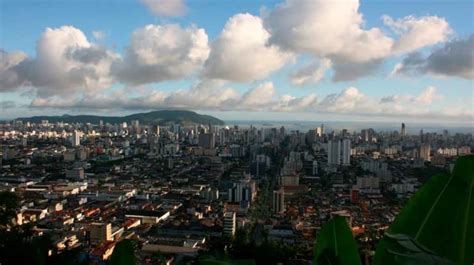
160, 117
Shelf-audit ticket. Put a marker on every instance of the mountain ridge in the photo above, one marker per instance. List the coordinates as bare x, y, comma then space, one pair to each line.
160, 117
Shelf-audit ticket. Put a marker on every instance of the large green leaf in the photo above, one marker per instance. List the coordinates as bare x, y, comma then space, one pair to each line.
437, 224
223, 260
123, 253
335, 244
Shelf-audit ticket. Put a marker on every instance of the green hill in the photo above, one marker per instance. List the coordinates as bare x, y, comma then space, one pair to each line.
161, 117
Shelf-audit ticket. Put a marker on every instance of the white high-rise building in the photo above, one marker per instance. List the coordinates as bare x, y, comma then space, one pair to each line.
425, 152
230, 223
339, 152
76, 138
334, 152
346, 152
319, 132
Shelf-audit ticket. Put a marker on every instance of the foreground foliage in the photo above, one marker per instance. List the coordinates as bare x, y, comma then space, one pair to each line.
435, 227
336, 245
437, 224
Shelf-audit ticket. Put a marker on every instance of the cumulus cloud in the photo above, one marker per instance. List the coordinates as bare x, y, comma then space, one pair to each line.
455, 58
241, 52
349, 100
336, 30
9, 77
290, 103
212, 95
312, 73
65, 61
352, 101
427, 96
417, 32
206, 95
326, 29
168, 8
162, 52
347, 71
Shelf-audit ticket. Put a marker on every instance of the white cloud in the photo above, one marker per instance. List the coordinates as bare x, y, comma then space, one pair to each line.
162, 52
427, 96
288, 103
417, 32
347, 71
98, 35
326, 29
211, 95
169, 8
349, 100
206, 95
336, 30
352, 101
9, 77
241, 52
311, 73
65, 61
455, 58
258, 96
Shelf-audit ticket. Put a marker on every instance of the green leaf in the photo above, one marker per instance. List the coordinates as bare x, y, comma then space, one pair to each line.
223, 260
437, 224
123, 253
335, 244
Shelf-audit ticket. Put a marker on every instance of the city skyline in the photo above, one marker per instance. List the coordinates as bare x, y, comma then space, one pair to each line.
380, 61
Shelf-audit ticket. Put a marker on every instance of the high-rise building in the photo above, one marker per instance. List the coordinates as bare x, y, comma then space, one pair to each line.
403, 131
334, 152
230, 223
315, 168
176, 129
319, 132
211, 130
346, 152
279, 201
100, 232
425, 152
206, 140
76, 138
244, 192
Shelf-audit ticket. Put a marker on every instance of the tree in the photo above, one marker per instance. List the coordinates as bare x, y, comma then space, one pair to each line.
8, 205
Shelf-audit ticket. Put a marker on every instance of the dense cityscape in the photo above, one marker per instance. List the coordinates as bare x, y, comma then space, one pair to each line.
250, 132
180, 191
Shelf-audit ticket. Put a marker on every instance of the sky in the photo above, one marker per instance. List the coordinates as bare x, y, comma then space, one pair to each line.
341, 60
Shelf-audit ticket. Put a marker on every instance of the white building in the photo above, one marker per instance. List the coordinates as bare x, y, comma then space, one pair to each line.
425, 152
339, 152
76, 138
230, 223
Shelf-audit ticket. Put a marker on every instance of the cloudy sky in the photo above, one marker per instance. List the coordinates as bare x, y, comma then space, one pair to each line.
276, 60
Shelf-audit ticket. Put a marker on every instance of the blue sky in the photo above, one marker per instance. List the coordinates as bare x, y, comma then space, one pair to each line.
448, 93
